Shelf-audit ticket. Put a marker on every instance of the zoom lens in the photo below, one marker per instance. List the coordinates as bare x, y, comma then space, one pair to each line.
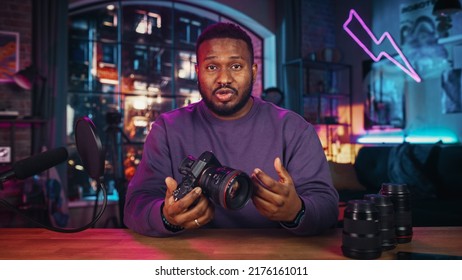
387, 219
361, 230
400, 197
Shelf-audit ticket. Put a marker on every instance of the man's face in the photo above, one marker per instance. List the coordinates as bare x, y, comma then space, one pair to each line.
225, 77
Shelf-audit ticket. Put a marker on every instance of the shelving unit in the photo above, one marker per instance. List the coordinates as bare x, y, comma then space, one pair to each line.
322, 93
10, 126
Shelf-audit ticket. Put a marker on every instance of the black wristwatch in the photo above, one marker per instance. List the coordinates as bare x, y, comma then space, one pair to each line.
169, 226
297, 219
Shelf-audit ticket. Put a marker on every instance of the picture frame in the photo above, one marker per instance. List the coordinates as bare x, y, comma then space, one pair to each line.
9, 55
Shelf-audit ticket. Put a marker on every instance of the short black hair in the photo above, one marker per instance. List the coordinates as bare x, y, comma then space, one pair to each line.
225, 30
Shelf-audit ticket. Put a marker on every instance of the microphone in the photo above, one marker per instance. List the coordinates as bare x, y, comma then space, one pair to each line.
36, 164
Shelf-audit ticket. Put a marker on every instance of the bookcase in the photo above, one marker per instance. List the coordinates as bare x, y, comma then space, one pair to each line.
322, 93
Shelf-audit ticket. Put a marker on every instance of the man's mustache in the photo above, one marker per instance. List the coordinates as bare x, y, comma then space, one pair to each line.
224, 87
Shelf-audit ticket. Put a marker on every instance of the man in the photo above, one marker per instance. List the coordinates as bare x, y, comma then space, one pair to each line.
292, 186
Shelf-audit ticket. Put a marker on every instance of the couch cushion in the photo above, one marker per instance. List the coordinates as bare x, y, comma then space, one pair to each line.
344, 177
449, 169
407, 164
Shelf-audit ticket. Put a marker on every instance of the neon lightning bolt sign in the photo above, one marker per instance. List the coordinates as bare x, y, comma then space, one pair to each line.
407, 68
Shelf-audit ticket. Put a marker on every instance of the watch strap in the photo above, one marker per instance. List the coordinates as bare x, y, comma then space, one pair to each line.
297, 219
169, 226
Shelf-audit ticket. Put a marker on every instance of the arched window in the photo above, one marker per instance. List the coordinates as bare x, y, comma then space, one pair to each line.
129, 61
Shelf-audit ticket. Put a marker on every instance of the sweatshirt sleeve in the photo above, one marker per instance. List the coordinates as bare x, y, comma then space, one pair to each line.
146, 190
307, 164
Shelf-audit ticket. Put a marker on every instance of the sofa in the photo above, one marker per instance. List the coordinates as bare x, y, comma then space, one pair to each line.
433, 173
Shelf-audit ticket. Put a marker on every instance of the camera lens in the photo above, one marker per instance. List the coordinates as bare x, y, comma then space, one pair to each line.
229, 187
400, 197
387, 219
238, 191
361, 230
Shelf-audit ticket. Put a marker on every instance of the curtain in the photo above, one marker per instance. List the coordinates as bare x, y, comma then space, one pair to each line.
49, 56
288, 34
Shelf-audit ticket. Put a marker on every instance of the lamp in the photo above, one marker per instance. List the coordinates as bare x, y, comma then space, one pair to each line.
446, 7
26, 78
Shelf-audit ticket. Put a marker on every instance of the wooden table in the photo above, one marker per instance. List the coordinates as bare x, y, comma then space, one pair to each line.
218, 244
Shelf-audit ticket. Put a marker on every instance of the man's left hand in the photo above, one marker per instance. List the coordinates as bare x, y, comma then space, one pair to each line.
276, 200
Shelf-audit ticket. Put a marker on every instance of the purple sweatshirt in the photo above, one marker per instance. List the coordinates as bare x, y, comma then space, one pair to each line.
255, 140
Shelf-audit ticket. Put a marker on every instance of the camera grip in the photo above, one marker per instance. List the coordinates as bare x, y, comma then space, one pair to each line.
185, 187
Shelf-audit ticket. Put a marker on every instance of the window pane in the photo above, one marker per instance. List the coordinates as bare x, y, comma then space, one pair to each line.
146, 69
147, 24
188, 27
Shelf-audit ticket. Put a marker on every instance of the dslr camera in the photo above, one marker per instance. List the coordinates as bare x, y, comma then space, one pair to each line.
227, 187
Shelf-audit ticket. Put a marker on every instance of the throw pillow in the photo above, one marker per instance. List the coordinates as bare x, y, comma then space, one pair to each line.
344, 177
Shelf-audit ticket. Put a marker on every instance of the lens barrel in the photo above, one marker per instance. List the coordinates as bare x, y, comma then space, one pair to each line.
230, 188
361, 237
401, 199
387, 219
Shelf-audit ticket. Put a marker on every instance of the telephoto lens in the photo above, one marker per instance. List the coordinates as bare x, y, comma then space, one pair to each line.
361, 231
401, 199
387, 219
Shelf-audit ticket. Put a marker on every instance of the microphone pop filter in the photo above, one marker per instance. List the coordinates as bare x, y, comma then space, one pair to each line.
89, 147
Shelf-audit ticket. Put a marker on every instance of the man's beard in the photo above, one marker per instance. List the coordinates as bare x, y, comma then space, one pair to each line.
226, 110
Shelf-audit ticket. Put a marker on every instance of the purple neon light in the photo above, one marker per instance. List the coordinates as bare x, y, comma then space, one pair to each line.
407, 69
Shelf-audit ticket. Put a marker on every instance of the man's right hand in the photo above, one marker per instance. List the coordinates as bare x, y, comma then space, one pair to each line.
181, 212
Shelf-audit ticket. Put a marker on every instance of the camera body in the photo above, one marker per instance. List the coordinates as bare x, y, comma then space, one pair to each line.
227, 187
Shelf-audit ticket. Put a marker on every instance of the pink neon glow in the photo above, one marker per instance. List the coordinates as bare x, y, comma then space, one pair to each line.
407, 69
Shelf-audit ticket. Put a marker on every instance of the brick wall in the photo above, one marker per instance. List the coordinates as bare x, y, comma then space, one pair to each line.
318, 25
16, 16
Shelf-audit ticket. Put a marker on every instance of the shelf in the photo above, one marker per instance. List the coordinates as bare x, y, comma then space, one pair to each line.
326, 95
22, 121
453, 40
320, 65
323, 96
331, 124
11, 125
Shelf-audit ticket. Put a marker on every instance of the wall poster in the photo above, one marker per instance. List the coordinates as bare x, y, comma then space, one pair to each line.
9, 55
419, 34
385, 85
420, 31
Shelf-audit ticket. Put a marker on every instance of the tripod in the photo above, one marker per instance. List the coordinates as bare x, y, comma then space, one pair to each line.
114, 139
